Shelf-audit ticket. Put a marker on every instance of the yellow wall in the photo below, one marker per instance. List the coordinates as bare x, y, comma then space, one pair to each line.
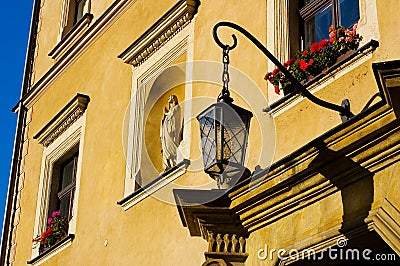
151, 232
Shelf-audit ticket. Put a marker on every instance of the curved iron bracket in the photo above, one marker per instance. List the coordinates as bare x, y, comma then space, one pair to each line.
344, 110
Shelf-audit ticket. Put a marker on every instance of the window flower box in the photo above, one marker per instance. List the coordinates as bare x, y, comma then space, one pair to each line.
57, 230
317, 59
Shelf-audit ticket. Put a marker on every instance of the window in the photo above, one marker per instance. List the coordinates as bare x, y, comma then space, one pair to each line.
63, 184
75, 20
62, 139
314, 17
75, 11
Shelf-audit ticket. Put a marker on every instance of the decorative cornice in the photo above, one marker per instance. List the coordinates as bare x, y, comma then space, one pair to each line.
160, 32
385, 221
207, 211
71, 37
64, 119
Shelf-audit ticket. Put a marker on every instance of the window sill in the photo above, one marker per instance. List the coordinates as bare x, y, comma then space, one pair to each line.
341, 68
63, 244
71, 37
159, 182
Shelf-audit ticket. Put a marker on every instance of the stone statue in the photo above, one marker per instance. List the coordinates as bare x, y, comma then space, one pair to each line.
170, 132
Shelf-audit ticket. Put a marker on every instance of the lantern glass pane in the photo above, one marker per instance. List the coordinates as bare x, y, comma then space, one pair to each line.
234, 137
207, 133
224, 129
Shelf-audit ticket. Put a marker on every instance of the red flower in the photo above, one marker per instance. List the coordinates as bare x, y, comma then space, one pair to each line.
277, 91
305, 52
332, 36
323, 43
331, 28
275, 71
348, 39
288, 63
304, 65
315, 48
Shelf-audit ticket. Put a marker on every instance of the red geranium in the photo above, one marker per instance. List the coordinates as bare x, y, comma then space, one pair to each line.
311, 61
304, 65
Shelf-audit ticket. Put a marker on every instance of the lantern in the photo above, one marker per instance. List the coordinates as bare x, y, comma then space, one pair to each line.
224, 130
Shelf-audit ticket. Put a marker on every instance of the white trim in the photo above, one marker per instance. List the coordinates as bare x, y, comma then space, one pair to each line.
64, 15
71, 37
51, 154
184, 147
154, 187
142, 74
53, 252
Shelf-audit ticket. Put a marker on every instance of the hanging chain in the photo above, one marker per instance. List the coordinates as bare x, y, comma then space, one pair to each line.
225, 74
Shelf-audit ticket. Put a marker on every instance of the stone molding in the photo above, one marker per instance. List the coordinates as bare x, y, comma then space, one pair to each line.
164, 57
71, 37
226, 247
207, 213
158, 183
160, 32
299, 182
63, 120
385, 221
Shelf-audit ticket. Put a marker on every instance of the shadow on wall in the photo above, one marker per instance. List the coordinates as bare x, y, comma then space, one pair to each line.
354, 182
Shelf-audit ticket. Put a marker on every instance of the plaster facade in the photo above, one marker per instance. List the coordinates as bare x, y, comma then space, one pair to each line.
314, 179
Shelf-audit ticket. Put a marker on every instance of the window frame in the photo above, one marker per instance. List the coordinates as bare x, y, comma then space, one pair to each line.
68, 37
62, 137
69, 190
73, 12
309, 11
72, 138
280, 43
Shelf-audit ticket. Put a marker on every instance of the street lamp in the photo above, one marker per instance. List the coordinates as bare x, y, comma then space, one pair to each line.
224, 126
224, 130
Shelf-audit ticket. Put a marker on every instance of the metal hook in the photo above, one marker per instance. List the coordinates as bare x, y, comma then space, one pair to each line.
218, 41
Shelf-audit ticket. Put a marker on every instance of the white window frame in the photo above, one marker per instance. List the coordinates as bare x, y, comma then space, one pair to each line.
278, 44
72, 125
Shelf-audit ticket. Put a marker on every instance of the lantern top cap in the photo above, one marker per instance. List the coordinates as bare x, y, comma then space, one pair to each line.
223, 104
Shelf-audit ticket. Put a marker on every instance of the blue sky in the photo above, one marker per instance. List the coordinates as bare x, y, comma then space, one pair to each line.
16, 16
